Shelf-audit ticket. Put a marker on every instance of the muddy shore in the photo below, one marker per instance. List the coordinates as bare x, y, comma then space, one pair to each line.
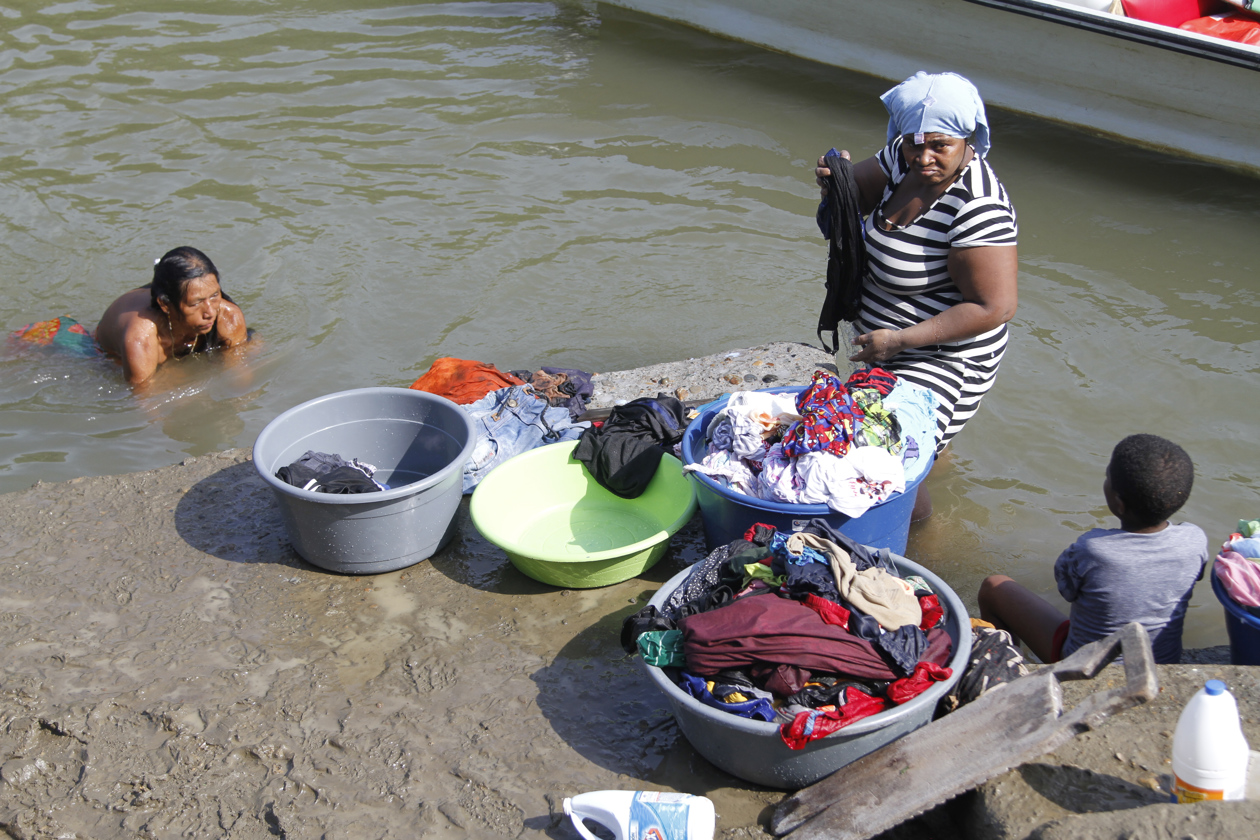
171, 668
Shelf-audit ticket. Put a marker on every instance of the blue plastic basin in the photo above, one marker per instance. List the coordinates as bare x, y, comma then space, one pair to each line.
1243, 627
727, 514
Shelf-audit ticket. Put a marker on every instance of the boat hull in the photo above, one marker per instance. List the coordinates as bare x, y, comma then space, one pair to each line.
1175, 91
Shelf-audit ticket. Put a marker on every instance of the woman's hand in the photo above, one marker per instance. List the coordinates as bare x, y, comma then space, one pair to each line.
877, 346
823, 172
870, 179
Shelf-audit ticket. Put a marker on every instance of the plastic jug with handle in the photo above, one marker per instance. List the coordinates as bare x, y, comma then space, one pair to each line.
1210, 754
643, 814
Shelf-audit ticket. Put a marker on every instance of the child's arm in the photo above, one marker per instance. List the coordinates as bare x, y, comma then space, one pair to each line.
1068, 573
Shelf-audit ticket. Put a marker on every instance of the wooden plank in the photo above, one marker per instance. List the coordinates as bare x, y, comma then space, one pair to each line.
1002, 729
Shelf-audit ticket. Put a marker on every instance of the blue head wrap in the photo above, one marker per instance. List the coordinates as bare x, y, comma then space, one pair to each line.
944, 103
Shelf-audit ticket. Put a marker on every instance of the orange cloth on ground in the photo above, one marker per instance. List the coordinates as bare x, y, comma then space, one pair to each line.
463, 381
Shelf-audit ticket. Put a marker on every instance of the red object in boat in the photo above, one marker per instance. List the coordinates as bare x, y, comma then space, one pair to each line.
1171, 12
1232, 26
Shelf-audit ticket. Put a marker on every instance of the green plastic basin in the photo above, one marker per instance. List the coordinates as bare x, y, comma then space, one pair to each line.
557, 524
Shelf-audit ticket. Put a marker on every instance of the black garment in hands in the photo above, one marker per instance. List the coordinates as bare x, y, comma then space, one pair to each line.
840, 217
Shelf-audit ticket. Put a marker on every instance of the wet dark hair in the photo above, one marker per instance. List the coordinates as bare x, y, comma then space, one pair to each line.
1152, 476
175, 270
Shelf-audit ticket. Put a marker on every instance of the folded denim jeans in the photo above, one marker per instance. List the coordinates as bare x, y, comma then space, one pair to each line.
510, 421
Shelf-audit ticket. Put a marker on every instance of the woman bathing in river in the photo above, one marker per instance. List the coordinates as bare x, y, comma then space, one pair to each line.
182, 311
940, 240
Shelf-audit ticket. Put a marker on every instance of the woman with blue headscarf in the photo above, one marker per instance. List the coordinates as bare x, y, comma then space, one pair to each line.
941, 264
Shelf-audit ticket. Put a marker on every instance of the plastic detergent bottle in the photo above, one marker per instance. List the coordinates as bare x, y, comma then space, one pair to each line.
1210, 753
643, 814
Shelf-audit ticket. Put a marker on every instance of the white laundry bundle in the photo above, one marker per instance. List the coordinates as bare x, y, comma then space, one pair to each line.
755, 417
865, 476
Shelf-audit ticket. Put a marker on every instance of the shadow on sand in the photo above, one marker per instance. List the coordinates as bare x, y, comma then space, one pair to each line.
233, 515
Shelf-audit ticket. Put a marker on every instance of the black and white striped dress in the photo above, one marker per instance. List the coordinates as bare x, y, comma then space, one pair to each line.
908, 282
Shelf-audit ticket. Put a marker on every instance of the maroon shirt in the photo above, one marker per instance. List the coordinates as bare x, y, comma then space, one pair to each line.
770, 629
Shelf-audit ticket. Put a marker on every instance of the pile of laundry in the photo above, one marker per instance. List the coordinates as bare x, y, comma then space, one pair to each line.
848, 445
513, 412
1238, 565
810, 630
328, 472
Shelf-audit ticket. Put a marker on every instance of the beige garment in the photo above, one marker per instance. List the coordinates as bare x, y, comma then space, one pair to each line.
1117, 8
886, 598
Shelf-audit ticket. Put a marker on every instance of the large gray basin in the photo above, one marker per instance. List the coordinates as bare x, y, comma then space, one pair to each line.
753, 750
419, 443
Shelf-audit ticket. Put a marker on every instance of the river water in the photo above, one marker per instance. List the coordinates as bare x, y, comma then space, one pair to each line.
569, 184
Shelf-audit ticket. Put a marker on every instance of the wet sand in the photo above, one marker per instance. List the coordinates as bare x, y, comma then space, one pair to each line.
171, 668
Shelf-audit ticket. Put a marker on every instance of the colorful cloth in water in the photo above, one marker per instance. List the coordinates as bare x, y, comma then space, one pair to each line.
64, 332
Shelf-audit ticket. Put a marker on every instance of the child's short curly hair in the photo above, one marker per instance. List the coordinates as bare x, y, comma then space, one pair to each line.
1152, 476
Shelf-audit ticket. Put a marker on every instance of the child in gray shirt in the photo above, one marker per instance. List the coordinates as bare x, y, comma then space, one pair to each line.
1143, 571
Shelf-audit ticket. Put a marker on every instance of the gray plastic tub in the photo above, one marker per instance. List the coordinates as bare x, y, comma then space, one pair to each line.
418, 442
753, 750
